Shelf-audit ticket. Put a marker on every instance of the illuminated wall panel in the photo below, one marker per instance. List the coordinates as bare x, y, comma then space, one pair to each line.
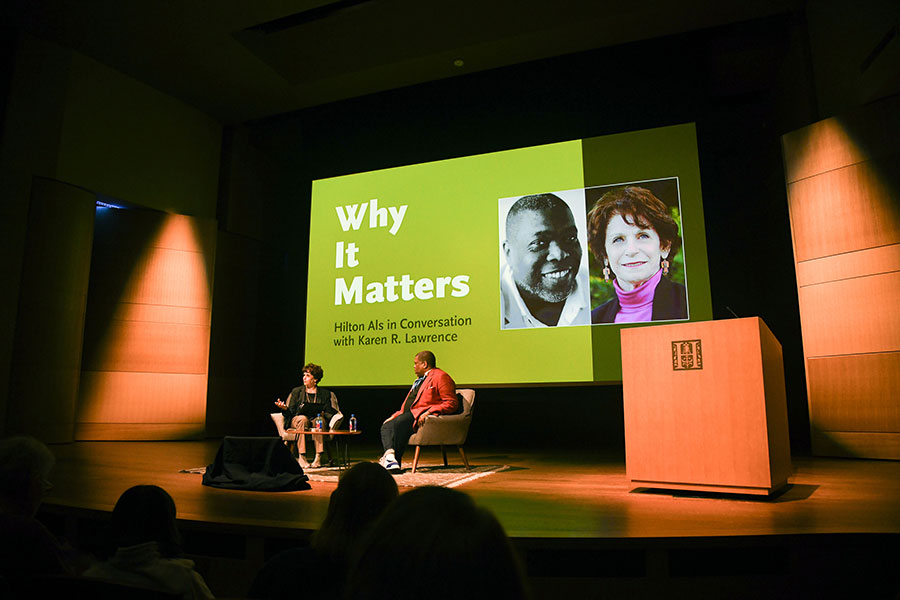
152, 346
843, 210
874, 261
857, 393
137, 397
146, 349
851, 316
844, 199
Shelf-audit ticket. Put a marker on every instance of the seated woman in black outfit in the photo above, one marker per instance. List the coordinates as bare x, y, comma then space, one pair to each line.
304, 404
632, 233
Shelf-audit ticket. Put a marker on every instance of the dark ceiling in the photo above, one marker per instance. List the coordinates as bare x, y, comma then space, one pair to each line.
240, 60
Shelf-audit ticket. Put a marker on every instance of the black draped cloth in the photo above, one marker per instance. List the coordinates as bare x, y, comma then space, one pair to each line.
255, 463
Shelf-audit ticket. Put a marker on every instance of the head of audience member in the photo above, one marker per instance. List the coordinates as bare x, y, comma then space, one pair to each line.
631, 231
312, 374
435, 542
362, 494
25, 464
542, 248
423, 362
146, 513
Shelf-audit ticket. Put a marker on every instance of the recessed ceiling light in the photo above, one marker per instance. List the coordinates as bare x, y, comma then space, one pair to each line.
458, 62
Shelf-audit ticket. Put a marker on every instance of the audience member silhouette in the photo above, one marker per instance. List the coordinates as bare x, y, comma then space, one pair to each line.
361, 496
26, 546
148, 546
436, 543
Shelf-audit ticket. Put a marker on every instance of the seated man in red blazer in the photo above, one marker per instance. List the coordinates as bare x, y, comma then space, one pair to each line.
433, 393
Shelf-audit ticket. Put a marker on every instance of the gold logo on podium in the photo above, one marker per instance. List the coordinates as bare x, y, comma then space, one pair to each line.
687, 355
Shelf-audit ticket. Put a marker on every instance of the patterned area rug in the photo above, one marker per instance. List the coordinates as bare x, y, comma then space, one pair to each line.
450, 476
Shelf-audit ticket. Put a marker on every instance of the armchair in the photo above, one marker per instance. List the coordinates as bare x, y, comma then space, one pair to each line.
441, 430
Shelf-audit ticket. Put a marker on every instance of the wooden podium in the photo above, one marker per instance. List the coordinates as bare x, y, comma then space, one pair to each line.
705, 407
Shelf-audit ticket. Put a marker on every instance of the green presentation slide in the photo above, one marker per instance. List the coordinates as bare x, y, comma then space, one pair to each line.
486, 261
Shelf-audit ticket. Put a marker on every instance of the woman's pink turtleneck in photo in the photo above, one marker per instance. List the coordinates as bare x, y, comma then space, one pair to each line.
636, 306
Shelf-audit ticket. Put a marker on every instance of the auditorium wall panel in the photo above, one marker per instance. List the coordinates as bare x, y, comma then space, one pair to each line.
71, 119
123, 138
851, 316
149, 346
871, 261
232, 406
843, 210
146, 350
837, 142
46, 365
857, 393
143, 397
843, 181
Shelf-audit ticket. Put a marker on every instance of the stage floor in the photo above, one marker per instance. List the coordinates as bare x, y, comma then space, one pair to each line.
581, 529
542, 495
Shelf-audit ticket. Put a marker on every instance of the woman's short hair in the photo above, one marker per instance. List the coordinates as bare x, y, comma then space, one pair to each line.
637, 206
146, 513
314, 370
437, 543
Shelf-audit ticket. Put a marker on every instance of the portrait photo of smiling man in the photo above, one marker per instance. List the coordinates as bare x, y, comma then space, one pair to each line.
543, 270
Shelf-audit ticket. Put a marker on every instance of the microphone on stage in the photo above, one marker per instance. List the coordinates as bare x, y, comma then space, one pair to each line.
728, 308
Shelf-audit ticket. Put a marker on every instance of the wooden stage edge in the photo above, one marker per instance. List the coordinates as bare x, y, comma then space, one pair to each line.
568, 494
581, 529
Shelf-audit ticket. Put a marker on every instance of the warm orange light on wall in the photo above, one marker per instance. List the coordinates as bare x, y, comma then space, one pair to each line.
146, 354
844, 197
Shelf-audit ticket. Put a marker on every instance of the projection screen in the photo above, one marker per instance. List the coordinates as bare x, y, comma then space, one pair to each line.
424, 257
